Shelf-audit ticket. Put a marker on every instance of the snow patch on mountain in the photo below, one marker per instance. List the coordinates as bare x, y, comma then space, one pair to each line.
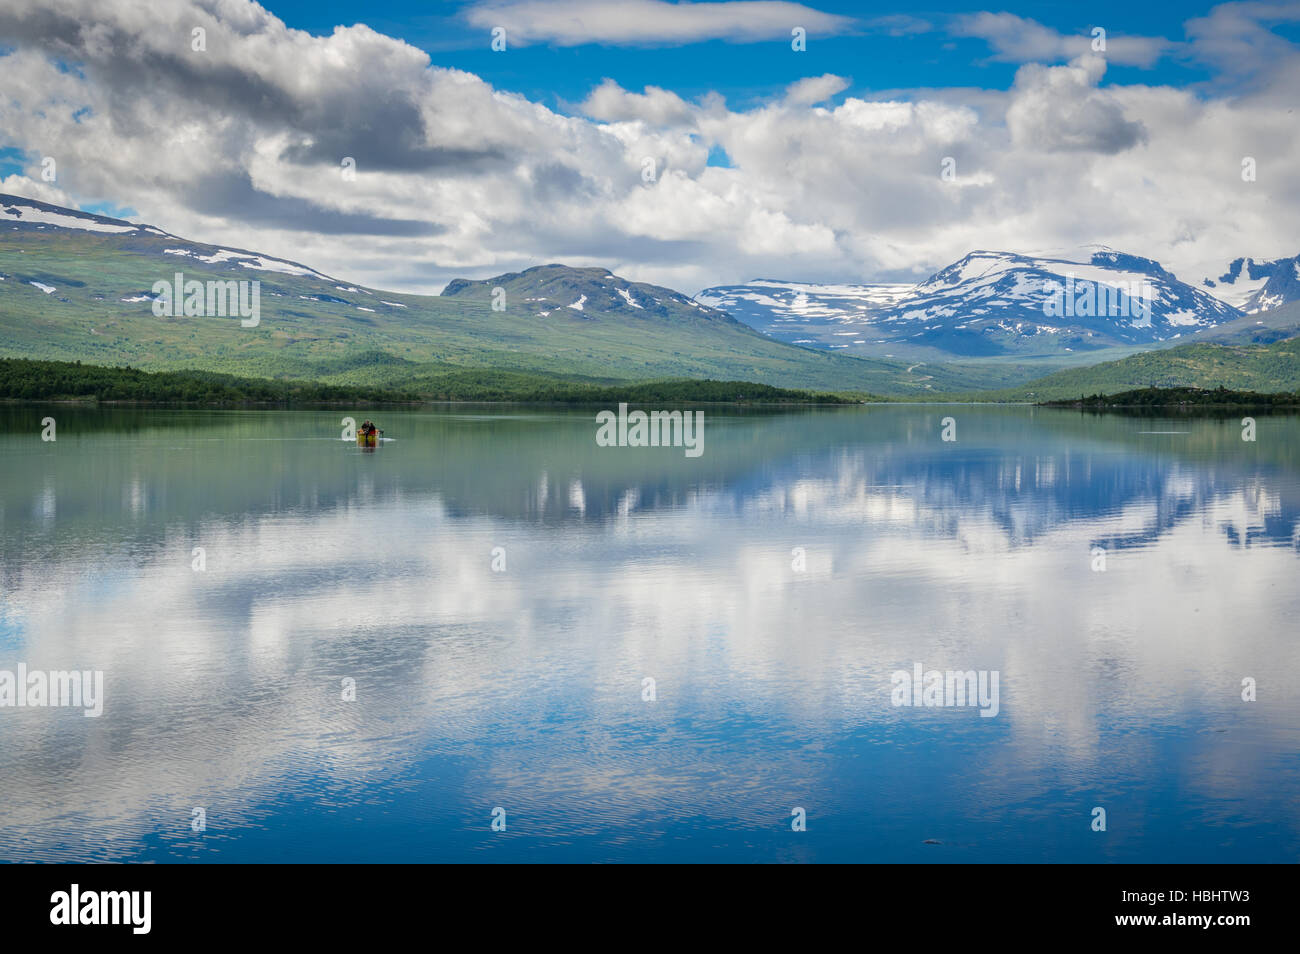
248, 260
29, 212
1253, 286
786, 310
23, 213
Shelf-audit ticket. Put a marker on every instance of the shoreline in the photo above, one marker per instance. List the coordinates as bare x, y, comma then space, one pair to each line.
27, 381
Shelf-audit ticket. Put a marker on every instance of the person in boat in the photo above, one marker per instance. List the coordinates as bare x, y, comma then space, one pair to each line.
368, 428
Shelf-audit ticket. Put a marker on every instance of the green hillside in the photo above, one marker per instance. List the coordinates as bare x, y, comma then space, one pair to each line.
1264, 368
90, 302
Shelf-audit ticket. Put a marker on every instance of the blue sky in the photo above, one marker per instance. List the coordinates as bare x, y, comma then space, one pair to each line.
745, 72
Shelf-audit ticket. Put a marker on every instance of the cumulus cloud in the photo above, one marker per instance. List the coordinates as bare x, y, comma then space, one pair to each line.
659, 107
1060, 109
649, 22
251, 133
243, 144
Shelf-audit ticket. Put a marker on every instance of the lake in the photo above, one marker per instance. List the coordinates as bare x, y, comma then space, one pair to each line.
491, 639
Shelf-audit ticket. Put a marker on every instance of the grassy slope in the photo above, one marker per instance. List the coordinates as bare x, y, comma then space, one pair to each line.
336, 342
1263, 368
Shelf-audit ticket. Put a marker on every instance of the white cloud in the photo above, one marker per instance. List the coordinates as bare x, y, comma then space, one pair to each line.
649, 22
659, 107
1235, 40
815, 89
1059, 108
1021, 40
36, 189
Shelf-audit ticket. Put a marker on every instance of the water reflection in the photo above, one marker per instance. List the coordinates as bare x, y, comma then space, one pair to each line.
523, 688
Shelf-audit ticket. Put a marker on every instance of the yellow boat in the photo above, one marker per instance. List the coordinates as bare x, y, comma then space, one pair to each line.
368, 435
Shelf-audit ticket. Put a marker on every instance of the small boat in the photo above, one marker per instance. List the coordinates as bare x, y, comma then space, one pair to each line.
368, 435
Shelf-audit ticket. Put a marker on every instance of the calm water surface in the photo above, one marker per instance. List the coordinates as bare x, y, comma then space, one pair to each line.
523, 689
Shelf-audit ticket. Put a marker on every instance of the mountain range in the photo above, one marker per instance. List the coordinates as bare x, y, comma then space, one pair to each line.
1001, 304
77, 286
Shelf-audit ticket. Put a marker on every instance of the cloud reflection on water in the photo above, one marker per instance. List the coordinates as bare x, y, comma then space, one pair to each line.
523, 688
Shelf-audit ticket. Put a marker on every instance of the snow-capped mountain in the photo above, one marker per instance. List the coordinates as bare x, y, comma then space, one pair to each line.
802, 313
1252, 286
19, 214
989, 303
